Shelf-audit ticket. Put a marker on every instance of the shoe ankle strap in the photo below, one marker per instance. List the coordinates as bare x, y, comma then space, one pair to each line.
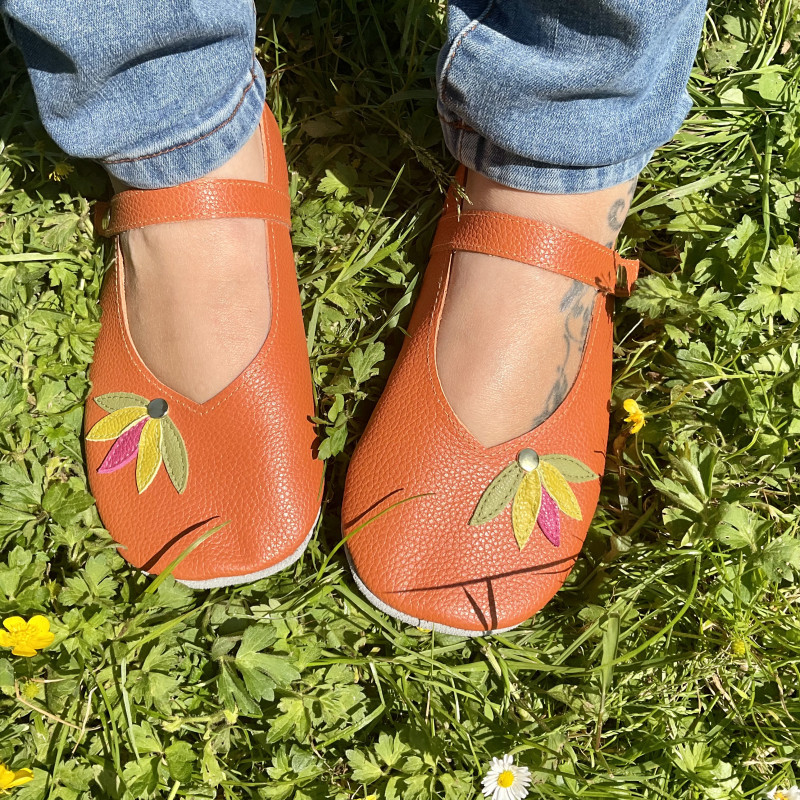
201, 199
538, 244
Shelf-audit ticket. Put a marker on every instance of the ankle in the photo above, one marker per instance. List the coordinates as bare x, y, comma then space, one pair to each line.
595, 215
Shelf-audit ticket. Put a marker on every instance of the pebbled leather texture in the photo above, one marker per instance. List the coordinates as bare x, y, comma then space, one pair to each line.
538, 244
201, 199
422, 560
251, 448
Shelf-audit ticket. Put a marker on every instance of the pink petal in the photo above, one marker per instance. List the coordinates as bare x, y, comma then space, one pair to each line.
124, 450
549, 519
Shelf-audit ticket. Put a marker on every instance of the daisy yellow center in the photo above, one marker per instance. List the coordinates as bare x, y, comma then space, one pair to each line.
781, 796
505, 778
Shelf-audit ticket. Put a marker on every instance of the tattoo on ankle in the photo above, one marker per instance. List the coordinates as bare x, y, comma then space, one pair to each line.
576, 305
616, 214
619, 210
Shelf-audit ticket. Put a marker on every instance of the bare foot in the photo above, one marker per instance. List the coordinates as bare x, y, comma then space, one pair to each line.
512, 335
197, 292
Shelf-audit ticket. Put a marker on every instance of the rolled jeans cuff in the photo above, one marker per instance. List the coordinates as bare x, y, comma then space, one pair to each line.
223, 133
510, 169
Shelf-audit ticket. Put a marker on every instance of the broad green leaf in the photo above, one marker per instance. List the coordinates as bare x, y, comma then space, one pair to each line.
279, 668
770, 85
64, 502
212, 771
255, 639
363, 767
781, 558
498, 494
141, 777
234, 694
364, 362
390, 749
180, 761
292, 723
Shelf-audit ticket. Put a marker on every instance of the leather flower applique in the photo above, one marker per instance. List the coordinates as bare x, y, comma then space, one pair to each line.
539, 487
143, 431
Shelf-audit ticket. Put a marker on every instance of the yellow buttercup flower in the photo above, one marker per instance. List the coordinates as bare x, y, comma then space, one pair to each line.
60, 170
10, 779
635, 415
26, 638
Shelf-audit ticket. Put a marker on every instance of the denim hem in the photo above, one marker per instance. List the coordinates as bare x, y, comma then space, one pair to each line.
477, 153
202, 150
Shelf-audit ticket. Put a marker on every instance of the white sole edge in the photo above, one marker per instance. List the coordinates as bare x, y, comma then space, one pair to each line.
236, 580
407, 618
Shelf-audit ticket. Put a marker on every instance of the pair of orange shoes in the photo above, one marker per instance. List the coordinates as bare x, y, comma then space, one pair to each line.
473, 539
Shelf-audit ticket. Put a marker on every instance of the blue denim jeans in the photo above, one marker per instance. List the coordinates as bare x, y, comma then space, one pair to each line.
159, 91
565, 97
539, 95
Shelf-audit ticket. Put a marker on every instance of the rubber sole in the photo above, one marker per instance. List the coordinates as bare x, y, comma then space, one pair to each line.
407, 618
235, 580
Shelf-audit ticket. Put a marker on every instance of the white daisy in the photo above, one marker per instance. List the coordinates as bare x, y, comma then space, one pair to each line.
784, 794
504, 781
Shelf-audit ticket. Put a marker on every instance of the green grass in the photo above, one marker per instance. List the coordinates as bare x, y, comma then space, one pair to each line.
668, 667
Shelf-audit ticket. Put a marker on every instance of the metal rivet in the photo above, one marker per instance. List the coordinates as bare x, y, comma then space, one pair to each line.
528, 459
157, 408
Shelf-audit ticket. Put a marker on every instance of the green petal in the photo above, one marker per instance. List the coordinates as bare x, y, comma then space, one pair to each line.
498, 494
525, 510
573, 470
176, 459
116, 400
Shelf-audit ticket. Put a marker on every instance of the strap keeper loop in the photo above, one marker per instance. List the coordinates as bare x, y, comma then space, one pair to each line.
101, 216
627, 273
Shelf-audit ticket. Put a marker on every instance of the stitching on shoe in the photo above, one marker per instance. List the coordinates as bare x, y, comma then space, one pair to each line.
113, 230
448, 412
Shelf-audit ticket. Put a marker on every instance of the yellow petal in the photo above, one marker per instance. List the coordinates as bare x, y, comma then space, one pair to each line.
149, 458
6, 776
15, 624
631, 406
21, 777
526, 507
115, 423
39, 624
558, 488
41, 640
24, 650
638, 425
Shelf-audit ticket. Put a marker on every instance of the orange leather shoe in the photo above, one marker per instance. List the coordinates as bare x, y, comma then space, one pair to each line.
166, 470
490, 533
